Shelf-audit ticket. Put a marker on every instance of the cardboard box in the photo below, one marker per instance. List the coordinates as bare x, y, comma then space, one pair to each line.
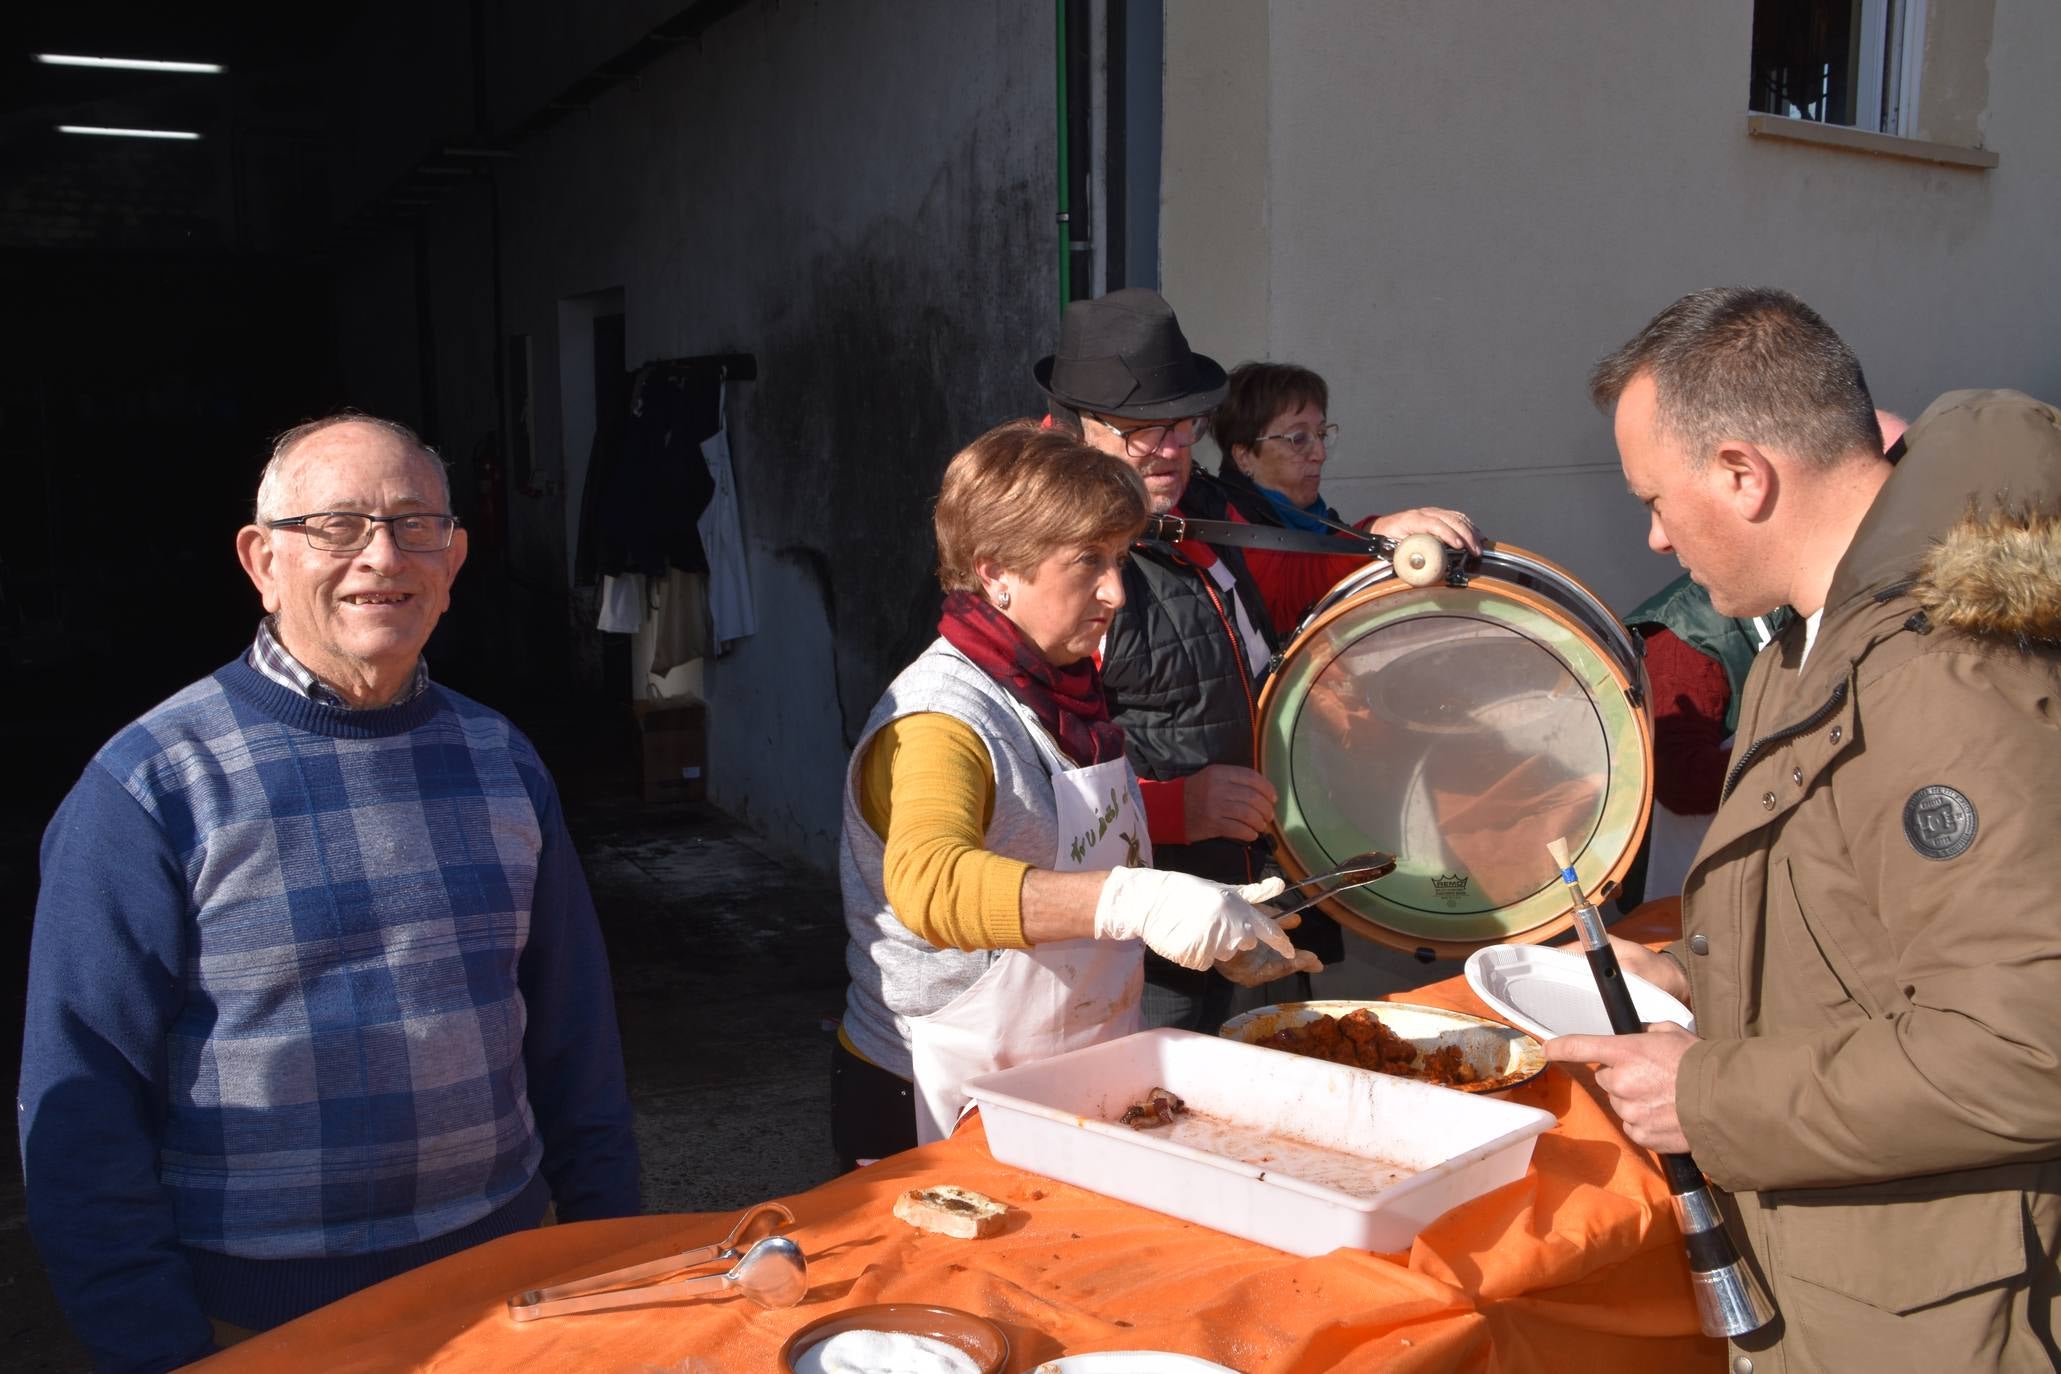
675, 749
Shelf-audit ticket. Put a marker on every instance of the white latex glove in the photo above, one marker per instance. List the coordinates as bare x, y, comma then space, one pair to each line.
1190, 920
1266, 890
1258, 965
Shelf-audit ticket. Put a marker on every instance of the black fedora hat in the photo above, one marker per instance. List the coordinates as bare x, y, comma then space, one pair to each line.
1123, 354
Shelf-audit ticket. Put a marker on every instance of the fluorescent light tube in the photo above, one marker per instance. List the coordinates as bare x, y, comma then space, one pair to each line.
187, 135
132, 64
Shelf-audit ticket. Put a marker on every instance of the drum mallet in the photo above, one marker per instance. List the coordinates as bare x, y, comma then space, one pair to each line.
1729, 1300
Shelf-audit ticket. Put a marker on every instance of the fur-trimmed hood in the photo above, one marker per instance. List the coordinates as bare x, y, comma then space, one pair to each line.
1971, 519
1996, 573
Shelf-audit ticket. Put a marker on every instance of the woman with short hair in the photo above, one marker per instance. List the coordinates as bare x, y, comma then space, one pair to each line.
1275, 432
994, 848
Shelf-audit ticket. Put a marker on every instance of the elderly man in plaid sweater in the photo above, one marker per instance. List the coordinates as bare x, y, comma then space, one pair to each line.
317, 993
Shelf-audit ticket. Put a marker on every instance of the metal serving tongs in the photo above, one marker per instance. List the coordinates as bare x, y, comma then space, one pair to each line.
769, 1269
1357, 871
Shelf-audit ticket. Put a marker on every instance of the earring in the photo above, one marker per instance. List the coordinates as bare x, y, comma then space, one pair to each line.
1002, 599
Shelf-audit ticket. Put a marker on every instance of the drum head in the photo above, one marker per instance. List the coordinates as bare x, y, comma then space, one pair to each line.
1460, 729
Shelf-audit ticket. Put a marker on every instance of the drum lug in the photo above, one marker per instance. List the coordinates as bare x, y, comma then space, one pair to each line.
1636, 695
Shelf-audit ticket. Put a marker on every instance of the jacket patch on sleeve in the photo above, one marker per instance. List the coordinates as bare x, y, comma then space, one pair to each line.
1939, 822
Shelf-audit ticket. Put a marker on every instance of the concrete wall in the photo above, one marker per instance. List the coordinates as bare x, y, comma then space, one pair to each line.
1451, 208
857, 191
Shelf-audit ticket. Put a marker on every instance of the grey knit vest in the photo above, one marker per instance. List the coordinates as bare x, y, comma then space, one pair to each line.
896, 973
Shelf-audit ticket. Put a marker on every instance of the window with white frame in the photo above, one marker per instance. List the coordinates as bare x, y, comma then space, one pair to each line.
1850, 62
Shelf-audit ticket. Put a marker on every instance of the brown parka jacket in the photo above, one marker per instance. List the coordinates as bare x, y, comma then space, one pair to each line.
1873, 928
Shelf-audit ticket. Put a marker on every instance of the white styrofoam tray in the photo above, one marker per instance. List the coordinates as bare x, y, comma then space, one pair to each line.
1552, 992
1061, 1117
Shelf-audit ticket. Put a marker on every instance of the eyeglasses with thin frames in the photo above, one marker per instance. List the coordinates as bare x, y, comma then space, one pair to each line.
1141, 441
348, 531
1300, 440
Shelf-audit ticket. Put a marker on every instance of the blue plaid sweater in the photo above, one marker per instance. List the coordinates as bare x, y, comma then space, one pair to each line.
315, 996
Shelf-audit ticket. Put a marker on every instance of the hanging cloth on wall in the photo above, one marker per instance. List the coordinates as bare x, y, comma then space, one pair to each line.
604, 457
680, 629
623, 602
722, 539
661, 484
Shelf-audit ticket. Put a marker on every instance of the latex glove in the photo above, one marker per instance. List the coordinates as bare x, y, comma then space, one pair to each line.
1190, 920
1266, 890
1253, 967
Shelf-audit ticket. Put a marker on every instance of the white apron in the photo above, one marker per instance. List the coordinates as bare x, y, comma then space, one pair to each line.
1063, 995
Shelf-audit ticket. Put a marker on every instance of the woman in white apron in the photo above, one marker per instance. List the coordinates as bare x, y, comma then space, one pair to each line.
994, 857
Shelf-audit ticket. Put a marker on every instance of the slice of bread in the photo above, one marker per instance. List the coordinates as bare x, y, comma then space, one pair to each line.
952, 1211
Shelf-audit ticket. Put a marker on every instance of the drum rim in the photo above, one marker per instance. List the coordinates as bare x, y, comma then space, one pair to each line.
1375, 574
1596, 886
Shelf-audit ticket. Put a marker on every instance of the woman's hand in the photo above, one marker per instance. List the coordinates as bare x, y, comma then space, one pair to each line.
1226, 801
1449, 527
1190, 920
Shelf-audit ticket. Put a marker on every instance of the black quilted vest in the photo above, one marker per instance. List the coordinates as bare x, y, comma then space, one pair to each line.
1176, 676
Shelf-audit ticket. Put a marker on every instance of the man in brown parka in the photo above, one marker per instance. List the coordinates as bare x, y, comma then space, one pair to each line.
1873, 921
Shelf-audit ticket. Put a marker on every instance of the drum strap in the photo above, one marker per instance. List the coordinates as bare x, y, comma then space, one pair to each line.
1175, 528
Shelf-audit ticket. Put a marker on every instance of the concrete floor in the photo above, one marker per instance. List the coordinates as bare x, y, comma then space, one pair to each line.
729, 973
729, 976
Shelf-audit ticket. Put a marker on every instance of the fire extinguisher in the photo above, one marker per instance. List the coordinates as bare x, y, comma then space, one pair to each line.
488, 525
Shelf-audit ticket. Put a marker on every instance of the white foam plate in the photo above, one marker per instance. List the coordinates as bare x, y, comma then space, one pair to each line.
1131, 1362
1551, 992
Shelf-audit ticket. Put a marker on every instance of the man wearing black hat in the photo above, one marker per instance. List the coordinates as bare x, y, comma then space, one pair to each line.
1184, 656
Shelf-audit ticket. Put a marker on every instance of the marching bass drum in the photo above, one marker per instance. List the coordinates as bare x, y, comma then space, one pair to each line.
1459, 726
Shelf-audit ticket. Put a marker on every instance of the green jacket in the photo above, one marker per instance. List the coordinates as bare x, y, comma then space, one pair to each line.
1684, 608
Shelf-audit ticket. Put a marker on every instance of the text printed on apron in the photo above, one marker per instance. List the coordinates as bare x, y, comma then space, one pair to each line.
1063, 995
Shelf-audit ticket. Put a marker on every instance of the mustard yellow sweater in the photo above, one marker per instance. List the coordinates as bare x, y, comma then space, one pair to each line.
927, 788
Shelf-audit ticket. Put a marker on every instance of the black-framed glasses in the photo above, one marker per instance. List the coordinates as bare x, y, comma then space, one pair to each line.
347, 531
1300, 440
1142, 441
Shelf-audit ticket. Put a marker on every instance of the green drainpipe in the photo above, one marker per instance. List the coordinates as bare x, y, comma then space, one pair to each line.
1065, 175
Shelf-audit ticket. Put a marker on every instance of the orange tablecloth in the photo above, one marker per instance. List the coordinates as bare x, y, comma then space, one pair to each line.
1578, 1266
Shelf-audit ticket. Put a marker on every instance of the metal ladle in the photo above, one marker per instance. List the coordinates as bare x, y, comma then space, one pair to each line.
773, 1273
1357, 871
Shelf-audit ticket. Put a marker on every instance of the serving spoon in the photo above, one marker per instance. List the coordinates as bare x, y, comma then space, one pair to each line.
772, 1273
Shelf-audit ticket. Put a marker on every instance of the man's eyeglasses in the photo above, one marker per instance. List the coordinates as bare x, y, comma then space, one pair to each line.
1301, 440
1142, 441
347, 531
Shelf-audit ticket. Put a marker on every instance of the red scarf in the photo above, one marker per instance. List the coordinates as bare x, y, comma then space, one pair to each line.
1067, 701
